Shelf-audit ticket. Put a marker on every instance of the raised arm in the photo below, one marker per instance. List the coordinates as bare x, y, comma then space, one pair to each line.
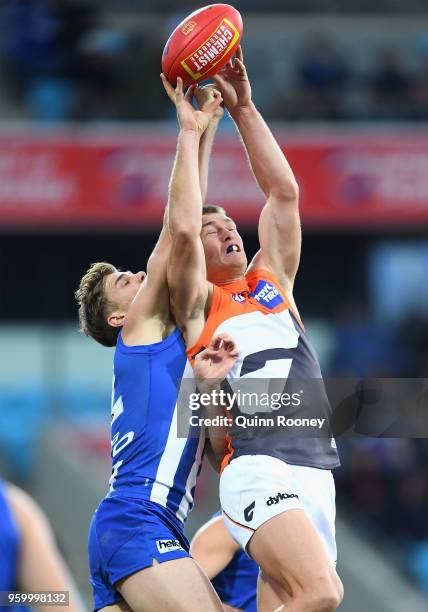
148, 315
187, 282
205, 95
279, 225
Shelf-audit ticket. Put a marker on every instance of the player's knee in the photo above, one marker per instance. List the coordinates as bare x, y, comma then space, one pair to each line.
321, 602
325, 595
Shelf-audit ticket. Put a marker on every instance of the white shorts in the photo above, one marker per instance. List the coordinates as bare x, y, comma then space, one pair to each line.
255, 488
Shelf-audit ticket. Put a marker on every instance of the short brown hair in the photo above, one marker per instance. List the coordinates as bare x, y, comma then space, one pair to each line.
94, 306
212, 208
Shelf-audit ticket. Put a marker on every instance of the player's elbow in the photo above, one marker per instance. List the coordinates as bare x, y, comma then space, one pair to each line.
285, 192
185, 230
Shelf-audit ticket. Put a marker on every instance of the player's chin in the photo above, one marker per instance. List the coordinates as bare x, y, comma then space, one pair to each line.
235, 261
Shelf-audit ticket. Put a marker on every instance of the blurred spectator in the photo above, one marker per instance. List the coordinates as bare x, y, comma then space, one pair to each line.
39, 51
62, 62
420, 83
321, 79
390, 86
362, 348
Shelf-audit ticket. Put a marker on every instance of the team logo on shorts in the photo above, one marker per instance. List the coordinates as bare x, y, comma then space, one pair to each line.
249, 512
279, 497
167, 546
267, 294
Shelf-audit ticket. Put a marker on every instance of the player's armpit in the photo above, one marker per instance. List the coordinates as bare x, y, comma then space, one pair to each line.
188, 287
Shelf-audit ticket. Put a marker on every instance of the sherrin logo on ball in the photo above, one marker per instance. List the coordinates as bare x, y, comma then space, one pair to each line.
202, 44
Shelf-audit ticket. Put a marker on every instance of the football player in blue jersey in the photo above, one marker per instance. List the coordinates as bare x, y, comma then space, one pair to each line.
231, 571
138, 552
29, 558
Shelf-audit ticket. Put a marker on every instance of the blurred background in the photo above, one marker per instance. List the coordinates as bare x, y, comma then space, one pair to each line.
87, 139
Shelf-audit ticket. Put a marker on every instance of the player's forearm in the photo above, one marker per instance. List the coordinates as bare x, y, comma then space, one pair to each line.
270, 167
184, 201
205, 149
216, 412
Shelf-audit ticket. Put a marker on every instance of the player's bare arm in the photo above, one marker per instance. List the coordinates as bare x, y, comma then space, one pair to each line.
148, 317
189, 289
279, 225
41, 567
205, 95
213, 547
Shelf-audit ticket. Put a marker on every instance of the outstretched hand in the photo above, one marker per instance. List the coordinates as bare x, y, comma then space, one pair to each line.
233, 83
214, 363
188, 117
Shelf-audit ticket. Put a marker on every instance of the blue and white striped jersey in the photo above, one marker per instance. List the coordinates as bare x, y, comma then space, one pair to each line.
149, 460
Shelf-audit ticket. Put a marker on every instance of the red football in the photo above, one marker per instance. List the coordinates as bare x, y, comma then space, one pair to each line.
202, 44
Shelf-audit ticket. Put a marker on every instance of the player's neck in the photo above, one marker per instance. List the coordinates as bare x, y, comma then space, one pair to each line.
234, 284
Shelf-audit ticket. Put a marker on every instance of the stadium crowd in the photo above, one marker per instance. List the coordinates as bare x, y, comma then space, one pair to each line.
63, 60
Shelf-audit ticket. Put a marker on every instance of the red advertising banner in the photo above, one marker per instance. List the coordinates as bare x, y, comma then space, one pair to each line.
101, 179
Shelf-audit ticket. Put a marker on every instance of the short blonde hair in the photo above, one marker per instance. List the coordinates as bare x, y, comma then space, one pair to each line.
94, 307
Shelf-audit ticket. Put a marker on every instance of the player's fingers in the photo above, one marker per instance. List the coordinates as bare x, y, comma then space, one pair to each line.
226, 337
168, 87
179, 88
228, 343
240, 54
216, 342
190, 93
241, 66
219, 80
213, 106
231, 349
229, 346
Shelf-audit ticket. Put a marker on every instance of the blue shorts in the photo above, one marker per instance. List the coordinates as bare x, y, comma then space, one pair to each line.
125, 536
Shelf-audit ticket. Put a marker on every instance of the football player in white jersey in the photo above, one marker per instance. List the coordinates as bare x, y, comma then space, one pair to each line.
280, 510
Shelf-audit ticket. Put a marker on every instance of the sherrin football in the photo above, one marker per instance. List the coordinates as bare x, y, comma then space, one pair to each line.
202, 44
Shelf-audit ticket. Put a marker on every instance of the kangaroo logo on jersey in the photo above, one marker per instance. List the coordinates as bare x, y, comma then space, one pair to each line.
165, 546
267, 294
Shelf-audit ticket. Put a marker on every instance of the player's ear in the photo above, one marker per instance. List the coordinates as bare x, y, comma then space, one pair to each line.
116, 318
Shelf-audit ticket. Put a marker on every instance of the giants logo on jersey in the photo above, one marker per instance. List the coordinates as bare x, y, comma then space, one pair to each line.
267, 294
